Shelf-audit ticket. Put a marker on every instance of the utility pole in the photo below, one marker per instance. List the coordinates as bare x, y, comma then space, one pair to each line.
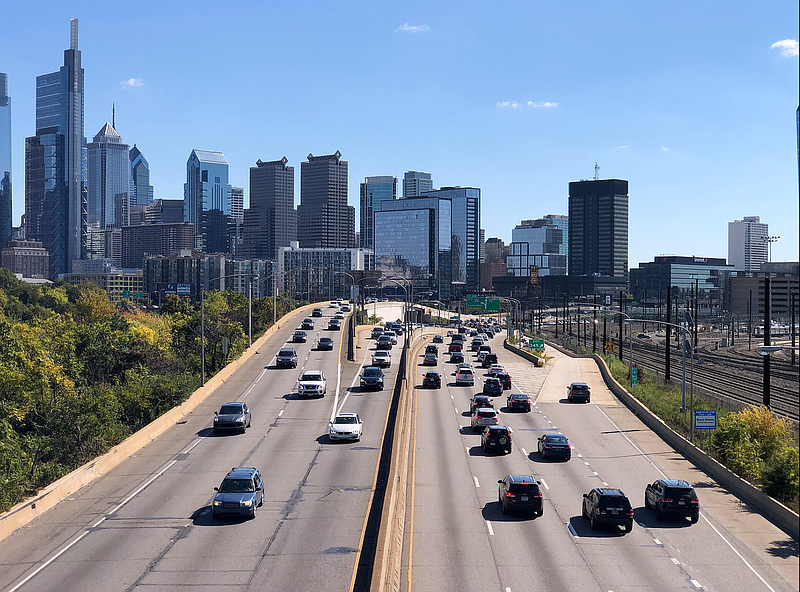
696, 308
767, 339
594, 326
791, 327
750, 321
620, 326
669, 331
604, 333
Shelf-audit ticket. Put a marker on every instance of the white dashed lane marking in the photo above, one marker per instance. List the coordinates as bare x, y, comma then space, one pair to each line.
489, 527
477, 484
546, 486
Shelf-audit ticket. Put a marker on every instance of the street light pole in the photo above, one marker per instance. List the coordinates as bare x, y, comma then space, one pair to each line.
202, 337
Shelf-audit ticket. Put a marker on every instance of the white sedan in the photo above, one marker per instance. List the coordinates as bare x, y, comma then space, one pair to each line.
346, 426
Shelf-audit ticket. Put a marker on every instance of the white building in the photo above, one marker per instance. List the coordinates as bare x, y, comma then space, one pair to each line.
316, 273
748, 245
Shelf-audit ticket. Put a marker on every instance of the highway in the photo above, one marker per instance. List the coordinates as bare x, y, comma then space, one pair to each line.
458, 539
147, 524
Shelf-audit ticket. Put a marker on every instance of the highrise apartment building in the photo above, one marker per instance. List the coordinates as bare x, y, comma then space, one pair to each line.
207, 200
271, 220
6, 203
55, 164
598, 228
415, 183
140, 192
748, 243
372, 192
108, 180
324, 220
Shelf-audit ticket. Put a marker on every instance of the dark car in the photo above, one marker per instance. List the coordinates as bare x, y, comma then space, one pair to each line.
504, 378
454, 347
431, 349
579, 391
432, 380
377, 332
430, 360
334, 325
456, 357
496, 438
520, 493
488, 360
492, 387
325, 343
372, 378
518, 402
607, 506
239, 494
479, 401
286, 358
317, 312
384, 342
437, 339
308, 324
554, 446
299, 337
485, 348
232, 416
672, 497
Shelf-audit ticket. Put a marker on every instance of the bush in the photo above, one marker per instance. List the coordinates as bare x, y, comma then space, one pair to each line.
736, 447
780, 475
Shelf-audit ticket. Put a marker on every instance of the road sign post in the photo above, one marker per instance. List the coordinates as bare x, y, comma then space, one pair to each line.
634, 376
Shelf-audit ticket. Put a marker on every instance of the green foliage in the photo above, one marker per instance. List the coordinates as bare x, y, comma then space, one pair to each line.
737, 447
780, 475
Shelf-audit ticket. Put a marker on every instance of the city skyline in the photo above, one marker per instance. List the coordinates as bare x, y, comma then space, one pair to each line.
677, 146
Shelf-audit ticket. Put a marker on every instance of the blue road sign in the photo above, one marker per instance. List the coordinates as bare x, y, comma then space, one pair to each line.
705, 420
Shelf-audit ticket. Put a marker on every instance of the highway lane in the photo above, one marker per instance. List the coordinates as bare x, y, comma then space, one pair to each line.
305, 536
461, 540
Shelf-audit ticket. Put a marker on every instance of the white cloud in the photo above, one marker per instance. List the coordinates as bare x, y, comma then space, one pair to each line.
512, 104
664, 149
788, 47
542, 104
620, 146
131, 83
406, 28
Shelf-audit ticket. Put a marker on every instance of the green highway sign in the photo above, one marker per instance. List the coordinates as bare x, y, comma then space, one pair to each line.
126, 293
138, 295
536, 343
634, 376
483, 304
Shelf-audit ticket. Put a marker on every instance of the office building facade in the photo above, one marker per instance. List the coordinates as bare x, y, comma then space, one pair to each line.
164, 211
372, 192
140, 191
26, 258
416, 183
598, 228
108, 180
154, 239
315, 274
271, 220
6, 203
207, 200
649, 282
55, 163
747, 293
748, 243
324, 220
539, 243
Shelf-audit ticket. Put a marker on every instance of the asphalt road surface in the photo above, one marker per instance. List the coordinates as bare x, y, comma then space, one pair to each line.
147, 524
458, 539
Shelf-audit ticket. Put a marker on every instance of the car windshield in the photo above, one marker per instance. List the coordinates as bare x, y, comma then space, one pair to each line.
236, 486
381, 354
372, 372
230, 409
345, 420
311, 376
286, 352
556, 440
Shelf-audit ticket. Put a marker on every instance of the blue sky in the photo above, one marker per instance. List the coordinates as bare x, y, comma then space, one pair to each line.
689, 101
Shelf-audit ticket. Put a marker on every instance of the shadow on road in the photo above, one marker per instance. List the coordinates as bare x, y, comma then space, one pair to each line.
203, 517
647, 518
493, 512
784, 549
580, 527
468, 431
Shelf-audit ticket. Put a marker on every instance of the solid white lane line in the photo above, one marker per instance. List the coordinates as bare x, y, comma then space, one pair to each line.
477, 483
48, 562
656, 541
260, 376
142, 488
525, 452
196, 442
281, 412
546, 486
489, 526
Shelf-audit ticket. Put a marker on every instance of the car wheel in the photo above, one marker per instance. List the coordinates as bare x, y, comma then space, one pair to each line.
583, 512
249, 422
592, 522
659, 514
253, 515
629, 527
539, 513
694, 518
569, 399
503, 506
646, 503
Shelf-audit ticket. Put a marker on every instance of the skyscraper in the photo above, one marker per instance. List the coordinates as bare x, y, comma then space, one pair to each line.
416, 183
598, 228
271, 220
141, 192
323, 218
748, 245
55, 163
207, 200
108, 183
372, 192
6, 203
536, 242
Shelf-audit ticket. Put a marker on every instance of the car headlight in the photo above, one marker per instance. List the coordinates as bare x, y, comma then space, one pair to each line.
216, 420
247, 503
217, 503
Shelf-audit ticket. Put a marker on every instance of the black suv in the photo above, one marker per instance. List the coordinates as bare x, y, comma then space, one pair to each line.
518, 401
286, 358
372, 377
456, 357
432, 380
672, 497
496, 438
520, 492
488, 360
317, 312
604, 505
579, 391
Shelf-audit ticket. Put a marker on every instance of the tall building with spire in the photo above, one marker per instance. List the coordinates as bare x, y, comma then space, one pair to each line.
55, 164
108, 180
140, 192
6, 202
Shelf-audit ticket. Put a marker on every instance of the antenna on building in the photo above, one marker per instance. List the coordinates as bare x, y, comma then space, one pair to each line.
596, 171
73, 33
113, 116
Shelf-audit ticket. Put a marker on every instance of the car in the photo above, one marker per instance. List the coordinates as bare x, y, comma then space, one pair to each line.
232, 416
334, 325
392, 335
346, 426
377, 332
372, 378
338, 315
299, 337
317, 312
479, 401
382, 359
465, 377
494, 369
488, 360
450, 333
239, 494
482, 417
432, 380
325, 344
431, 349
492, 387
454, 347
397, 327
480, 357
485, 348
456, 357
643, 336
286, 358
579, 391
504, 378
496, 438
308, 324
384, 342
333, 305
672, 497
476, 344
520, 493
345, 307
554, 446
430, 360
518, 401
607, 506
466, 365
438, 339
312, 383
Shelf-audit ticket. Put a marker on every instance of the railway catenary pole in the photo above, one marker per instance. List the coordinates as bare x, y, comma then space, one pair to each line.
750, 321
594, 326
696, 309
791, 326
669, 331
767, 332
620, 327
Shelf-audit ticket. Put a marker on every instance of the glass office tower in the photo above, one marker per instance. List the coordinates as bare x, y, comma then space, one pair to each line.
373, 191
5, 163
108, 180
207, 200
140, 192
415, 183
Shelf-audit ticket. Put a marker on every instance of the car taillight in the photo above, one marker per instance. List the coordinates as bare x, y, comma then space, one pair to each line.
695, 500
538, 494
509, 494
666, 499
630, 512
548, 447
